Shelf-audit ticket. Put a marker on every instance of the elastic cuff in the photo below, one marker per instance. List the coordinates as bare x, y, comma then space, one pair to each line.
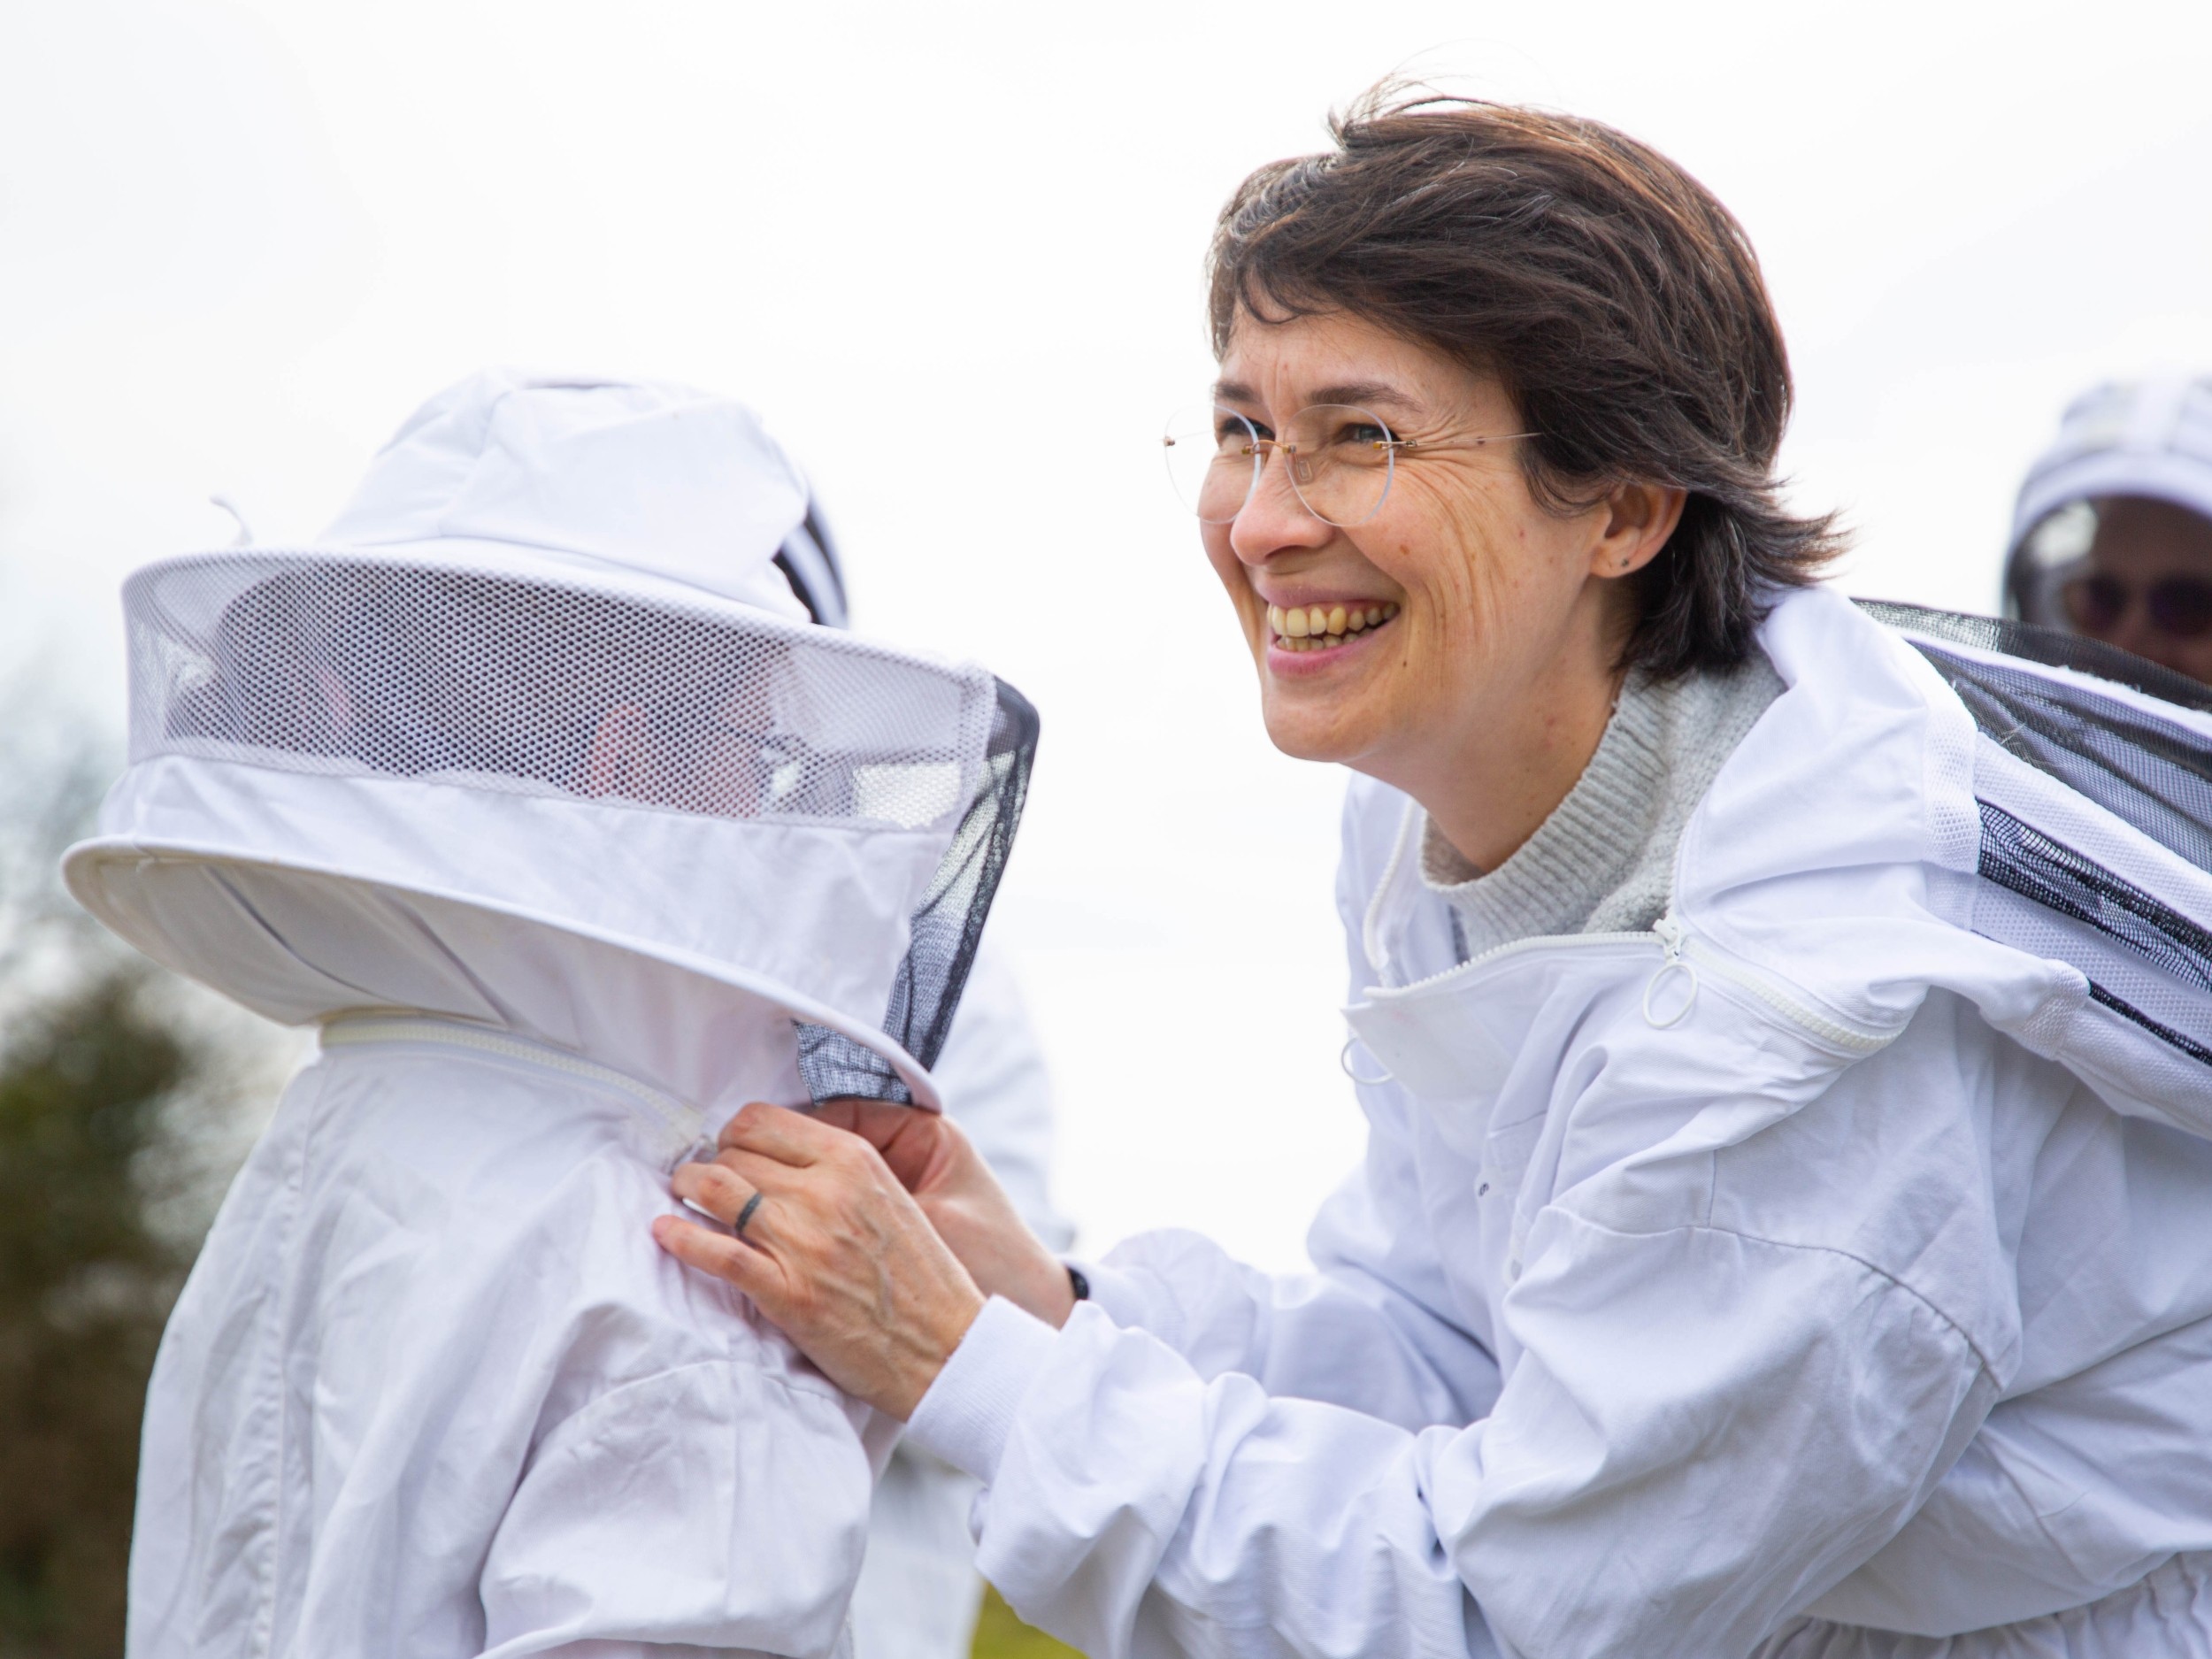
1118, 1295
969, 1410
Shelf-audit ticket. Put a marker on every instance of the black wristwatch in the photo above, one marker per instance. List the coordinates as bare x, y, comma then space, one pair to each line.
1077, 1283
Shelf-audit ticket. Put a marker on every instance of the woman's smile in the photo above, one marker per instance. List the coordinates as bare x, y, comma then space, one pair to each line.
1324, 627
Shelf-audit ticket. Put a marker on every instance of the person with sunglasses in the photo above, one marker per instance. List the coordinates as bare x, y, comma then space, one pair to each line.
2112, 534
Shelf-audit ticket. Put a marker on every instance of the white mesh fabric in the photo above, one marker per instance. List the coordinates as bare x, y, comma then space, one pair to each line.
2148, 973
2090, 829
497, 678
2092, 778
312, 663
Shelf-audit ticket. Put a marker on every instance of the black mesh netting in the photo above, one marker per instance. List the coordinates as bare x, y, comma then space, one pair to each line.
2022, 859
336, 666
946, 926
2151, 772
2155, 773
2054, 647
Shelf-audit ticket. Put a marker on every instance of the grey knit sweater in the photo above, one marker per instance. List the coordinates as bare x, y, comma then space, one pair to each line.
1603, 862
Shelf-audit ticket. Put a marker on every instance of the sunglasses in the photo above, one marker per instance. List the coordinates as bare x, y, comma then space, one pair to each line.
2179, 607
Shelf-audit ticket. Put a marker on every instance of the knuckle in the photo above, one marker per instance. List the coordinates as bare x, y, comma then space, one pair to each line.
713, 1179
742, 1122
725, 1191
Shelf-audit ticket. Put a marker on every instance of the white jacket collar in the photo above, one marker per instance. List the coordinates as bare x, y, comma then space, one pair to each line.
1830, 877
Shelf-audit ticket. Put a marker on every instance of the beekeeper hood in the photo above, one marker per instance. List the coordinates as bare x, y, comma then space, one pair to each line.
537, 736
2150, 438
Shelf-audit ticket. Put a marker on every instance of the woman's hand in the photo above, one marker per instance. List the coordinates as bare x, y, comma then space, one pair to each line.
940, 1165
832, 1250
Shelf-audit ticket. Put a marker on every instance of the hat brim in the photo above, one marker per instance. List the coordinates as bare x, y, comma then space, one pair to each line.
87, 866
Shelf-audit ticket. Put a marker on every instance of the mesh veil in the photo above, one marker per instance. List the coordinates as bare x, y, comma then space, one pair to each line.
947, 926
370, 666
2072, 887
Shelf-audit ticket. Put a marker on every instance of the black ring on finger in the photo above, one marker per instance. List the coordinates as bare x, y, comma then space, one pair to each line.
745, 1214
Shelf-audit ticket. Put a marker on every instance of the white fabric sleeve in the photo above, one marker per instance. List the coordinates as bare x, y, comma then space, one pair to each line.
715, 1506
1374, 1329
1376, 1326
1704, 1432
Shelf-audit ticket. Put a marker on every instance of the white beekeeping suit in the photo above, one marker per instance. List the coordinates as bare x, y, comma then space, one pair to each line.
919, 1591
533, 788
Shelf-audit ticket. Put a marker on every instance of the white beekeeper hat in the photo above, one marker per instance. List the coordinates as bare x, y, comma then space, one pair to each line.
642, 478
2150, 437
544, 668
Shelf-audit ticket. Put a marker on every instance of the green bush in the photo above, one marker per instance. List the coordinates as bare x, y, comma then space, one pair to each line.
85, 1285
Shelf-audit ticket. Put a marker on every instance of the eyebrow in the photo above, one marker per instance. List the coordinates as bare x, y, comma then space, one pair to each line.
1359, 392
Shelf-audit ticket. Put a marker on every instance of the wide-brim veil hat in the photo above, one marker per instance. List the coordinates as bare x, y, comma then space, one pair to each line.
539, 712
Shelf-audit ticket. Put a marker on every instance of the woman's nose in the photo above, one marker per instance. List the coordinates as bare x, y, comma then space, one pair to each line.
1274, 519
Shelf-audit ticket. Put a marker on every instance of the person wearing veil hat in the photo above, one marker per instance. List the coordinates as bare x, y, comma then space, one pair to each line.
2112, 532
533, 786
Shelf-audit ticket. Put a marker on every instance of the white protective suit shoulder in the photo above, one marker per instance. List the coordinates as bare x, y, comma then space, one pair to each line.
432, 1390
1810, 1276
569, 854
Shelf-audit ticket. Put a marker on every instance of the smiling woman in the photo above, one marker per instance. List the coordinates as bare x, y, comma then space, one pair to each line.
1595, 292
1764, 1245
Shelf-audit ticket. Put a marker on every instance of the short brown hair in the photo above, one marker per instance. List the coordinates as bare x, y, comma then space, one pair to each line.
1619, 303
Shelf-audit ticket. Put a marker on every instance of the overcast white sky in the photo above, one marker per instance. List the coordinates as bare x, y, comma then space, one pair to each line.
952, 251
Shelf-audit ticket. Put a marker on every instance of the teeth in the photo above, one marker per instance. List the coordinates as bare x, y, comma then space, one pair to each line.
1321, 627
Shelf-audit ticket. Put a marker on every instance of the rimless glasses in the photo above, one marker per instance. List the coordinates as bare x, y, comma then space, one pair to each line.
1340, 459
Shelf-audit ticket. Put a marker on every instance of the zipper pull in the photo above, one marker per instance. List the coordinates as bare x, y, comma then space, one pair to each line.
1673, 937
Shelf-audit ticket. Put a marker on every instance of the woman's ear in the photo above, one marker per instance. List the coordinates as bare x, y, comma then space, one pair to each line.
1639, 519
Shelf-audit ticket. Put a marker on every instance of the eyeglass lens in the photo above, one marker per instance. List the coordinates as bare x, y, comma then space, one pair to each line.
2179, 607
1339, 460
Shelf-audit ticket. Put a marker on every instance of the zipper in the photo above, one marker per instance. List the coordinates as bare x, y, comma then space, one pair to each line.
1695, 954
1680, 953
682, 1123
1672, 940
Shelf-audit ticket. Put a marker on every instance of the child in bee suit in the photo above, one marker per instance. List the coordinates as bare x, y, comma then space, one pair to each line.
533, 786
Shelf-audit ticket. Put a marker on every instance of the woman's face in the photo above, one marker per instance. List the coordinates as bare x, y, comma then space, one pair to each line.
1499, 611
